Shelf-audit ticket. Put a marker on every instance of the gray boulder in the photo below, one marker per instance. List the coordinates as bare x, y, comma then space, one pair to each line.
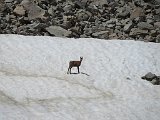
58, 31
128, 27
2, 5
149, 76
8, 1
157, 11
52, 10
153, 33
100, 3
88, 31
113, 36
80, 4
124, 14
112, 21
155, 82
157, 24
135, 31
145, 26
158, 39
68, 21
19, 10
101, 34
93, 9
33, 10
83, 15
137, 12
68, 7
157, 18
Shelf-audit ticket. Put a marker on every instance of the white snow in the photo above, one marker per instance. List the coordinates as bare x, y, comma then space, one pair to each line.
34, 84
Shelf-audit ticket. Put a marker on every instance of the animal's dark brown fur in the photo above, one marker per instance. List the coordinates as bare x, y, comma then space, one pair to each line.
74, 64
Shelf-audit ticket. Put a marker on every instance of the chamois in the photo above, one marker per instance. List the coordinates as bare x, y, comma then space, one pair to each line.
74, 64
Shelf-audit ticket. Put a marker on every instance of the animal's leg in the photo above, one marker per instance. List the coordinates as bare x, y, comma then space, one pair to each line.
70, 70
78, 69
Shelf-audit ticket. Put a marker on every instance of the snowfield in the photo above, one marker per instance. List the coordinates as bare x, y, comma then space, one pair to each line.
34, 84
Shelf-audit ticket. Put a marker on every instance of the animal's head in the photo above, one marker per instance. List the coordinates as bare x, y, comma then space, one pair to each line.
81, 58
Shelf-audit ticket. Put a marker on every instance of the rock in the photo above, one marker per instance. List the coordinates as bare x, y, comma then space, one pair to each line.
93, 9
68, 21
111, 26
157, 24
88, 31
137, 20
68, 8
139, 3
150, 21
19, 10
118, 32
157, 11
100, 3
128, 27
155, 82
52, 10
40, 1
24, 20
67, 24
118, 28
33, 10
60, 1
124, 14
136, 31
80, 4
155, 2
83, 15
112, 21
8, 18
137, 12
58, 31
153, 33
158, 39
2, 6
83, 36
113, 36
76, 31
101, 27
158, 80
145, 26
149, 76
91, 19
158, 77
8, 1
37, 26
101, 34
12, 16
149, 16
149, 38
125, 21
157, 18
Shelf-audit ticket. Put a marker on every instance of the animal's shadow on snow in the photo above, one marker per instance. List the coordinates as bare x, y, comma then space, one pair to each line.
85, 73
81, 73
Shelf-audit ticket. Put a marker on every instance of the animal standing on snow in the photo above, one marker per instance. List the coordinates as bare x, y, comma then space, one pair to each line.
74, 64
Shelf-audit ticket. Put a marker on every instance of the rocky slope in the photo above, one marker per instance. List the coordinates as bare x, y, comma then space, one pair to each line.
104, 19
